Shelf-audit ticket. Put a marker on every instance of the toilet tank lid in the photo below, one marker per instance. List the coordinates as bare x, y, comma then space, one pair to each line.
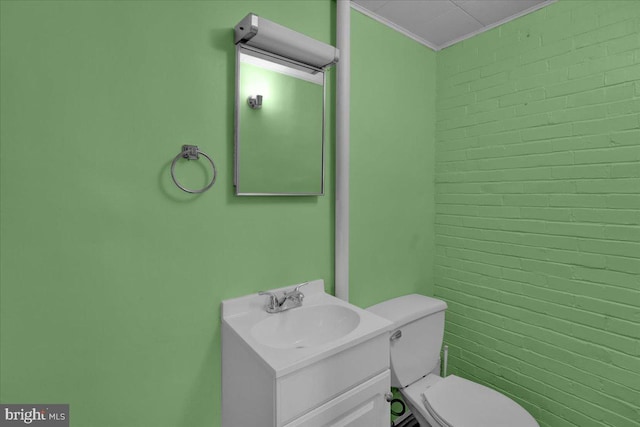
408, 308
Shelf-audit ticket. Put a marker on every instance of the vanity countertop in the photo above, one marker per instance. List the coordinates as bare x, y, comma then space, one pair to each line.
244, 313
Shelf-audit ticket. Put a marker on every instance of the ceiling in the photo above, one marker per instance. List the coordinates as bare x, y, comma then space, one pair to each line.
441, 23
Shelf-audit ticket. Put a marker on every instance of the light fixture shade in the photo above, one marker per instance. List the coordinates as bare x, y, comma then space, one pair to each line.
271, 37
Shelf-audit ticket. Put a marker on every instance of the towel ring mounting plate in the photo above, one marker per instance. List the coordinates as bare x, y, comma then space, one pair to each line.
192, 152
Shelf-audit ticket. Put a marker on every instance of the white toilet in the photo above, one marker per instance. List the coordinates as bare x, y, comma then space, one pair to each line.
415, 344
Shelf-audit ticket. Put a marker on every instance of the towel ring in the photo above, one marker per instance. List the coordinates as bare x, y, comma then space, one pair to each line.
192, 152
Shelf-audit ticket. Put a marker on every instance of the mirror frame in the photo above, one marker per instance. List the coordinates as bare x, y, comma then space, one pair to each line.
243, 48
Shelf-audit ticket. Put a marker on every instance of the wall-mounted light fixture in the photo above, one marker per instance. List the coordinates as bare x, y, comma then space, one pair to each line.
255, 102
268, 36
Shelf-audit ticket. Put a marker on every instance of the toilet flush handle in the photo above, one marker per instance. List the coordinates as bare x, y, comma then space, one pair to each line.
396, 335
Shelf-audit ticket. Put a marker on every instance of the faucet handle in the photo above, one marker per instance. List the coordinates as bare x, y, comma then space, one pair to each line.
297, 289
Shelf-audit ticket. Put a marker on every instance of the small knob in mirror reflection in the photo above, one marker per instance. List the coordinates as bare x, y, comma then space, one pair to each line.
255, 102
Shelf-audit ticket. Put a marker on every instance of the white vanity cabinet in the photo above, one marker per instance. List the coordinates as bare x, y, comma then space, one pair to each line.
362, 406
344, 389
338, 384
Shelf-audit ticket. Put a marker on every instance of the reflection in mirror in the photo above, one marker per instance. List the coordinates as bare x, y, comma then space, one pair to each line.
279, 125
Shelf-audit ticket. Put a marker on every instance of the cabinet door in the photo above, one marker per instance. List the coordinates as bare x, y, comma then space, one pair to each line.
362, 406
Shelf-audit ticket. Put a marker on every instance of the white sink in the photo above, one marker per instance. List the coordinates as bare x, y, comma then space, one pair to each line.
289, 340
325, 362
305, 327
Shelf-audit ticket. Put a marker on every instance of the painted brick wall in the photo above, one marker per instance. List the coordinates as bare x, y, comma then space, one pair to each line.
538, 211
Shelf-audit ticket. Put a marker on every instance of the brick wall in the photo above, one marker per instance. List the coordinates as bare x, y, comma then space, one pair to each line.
538, 211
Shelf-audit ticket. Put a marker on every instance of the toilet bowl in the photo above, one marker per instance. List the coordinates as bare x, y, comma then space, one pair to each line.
415, 343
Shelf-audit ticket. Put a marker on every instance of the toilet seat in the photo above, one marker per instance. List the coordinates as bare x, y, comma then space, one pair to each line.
456, 402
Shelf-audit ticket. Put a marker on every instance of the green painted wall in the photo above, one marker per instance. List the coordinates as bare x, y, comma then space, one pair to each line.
392, 163
538, 211
111, 277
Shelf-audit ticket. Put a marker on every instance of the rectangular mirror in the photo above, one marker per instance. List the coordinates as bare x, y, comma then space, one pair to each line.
279, 129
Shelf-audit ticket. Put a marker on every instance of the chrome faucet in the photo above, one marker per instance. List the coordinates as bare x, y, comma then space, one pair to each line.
289, 299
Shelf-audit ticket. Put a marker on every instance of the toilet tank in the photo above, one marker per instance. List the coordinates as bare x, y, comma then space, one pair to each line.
416, 337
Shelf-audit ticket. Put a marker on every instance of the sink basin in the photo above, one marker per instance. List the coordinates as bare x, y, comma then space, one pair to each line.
321, 328
305, 327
